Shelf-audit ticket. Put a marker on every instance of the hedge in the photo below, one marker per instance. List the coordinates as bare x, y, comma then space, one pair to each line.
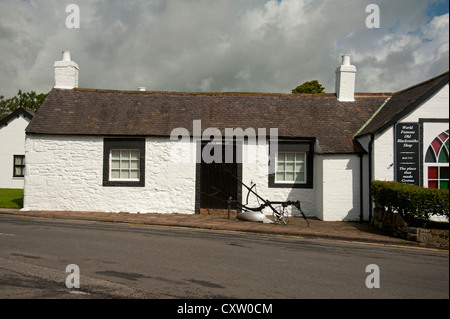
415, 204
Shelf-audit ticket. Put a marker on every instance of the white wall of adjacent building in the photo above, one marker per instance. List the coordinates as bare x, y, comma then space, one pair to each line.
434, 108
12, 142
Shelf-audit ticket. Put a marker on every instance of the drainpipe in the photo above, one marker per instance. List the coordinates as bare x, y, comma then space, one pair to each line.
370, 174
361, 187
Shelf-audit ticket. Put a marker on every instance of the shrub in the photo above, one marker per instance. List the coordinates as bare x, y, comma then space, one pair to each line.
415, 204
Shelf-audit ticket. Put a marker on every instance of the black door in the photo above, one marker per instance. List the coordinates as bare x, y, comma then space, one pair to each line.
218, 179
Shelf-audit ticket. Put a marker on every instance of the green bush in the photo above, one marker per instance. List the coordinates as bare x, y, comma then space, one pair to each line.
415, 204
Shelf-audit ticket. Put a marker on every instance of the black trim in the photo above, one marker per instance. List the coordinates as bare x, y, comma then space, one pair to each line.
414, 105
421, 122
21, 166
303, 145
123, 143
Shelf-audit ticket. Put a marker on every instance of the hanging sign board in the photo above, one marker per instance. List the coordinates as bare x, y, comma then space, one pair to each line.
407, 153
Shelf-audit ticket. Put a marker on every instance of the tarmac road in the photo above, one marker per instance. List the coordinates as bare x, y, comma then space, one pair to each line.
133, 261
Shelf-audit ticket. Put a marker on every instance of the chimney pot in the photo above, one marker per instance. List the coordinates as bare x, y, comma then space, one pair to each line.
346, 59
141, 88
66, 55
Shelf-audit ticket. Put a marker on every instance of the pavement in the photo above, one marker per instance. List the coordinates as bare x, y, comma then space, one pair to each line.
297, 226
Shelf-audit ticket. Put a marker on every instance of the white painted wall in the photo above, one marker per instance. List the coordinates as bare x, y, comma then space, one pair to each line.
12, 142
65, 173
341, 187
256, 171
434, 108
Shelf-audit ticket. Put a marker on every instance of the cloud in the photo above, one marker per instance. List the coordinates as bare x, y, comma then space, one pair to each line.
221, 45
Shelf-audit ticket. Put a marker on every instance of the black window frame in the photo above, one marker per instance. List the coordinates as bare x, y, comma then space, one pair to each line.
128, 144
298, 146
22, 166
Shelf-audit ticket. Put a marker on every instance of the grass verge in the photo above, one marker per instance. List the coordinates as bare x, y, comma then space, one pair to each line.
11, 198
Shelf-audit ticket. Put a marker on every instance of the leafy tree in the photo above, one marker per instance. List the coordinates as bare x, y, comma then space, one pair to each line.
309, 87
28, 100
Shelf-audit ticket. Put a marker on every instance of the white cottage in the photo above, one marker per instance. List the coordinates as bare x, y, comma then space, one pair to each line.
150, 152
12, 148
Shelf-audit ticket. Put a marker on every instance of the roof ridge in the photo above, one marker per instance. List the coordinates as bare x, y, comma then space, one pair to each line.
423, 83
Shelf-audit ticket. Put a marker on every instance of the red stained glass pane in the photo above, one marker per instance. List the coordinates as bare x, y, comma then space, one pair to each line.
432, 173
432, 184
436, 145
443, 136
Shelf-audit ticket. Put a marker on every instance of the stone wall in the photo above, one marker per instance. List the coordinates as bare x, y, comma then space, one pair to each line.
394, 223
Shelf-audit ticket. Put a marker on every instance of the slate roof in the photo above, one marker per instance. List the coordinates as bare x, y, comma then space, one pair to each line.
145, 113
404, 102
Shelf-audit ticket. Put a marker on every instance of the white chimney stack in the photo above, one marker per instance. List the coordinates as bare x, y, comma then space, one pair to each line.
141, 88
345, 80
66, 72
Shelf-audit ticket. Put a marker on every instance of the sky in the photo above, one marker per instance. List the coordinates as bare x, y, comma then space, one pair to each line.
222, 45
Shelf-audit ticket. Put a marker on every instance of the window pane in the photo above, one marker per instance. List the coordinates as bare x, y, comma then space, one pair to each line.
300, 167
18, 171
18, 160
135, 174
432, 184
115, 164
135, 155
281, 157
443, 172
432, 172
290, 157
300, 177
430, 157
125, 154
443, 156
443, 185
115, 154
280, 176
300, 157
124, 174
280, 167
290, 177
124, 164
115, 174
135, 164
290, 167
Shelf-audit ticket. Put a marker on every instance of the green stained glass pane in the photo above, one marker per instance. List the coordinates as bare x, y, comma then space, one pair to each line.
443, 156
443, 184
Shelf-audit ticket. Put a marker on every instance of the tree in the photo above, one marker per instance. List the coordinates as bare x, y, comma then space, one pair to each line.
28, 100
309, 87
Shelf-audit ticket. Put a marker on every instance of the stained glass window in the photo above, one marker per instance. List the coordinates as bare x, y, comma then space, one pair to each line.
437, 154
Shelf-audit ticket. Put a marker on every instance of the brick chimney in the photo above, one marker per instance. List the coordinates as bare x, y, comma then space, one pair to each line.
345, 80
66, 72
